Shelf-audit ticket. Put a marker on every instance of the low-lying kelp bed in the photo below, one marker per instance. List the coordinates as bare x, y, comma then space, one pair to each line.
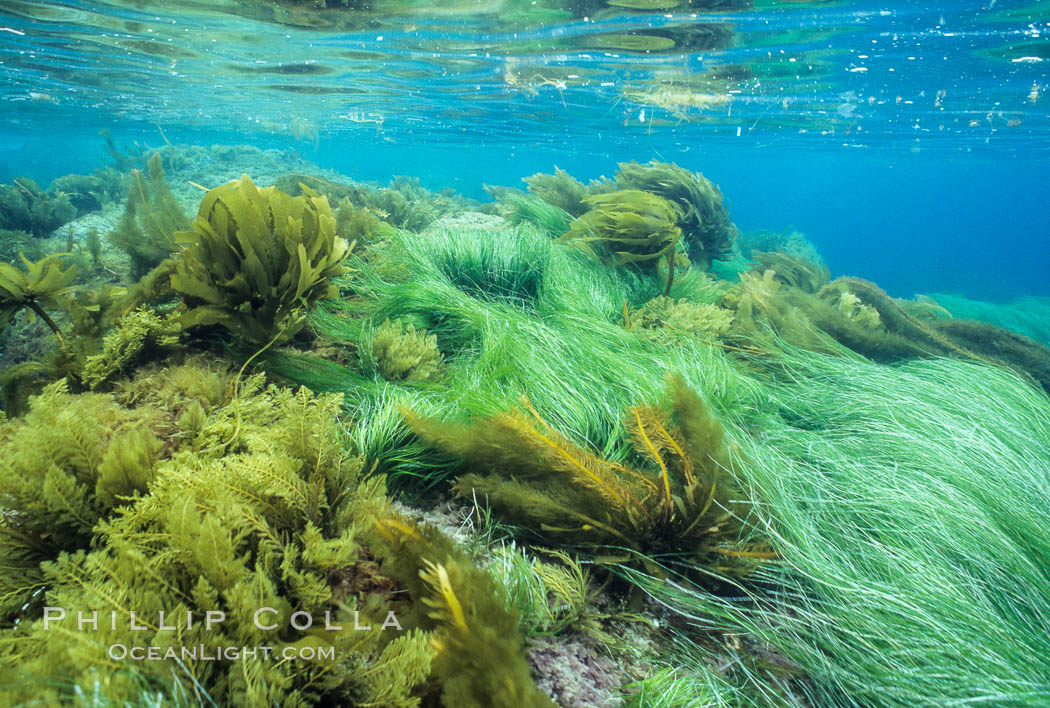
766, 490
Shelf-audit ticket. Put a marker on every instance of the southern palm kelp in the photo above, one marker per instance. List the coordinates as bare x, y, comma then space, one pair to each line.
683, 500
229, 507
708, 232
41, 285
146, 231
256, 260
628, 227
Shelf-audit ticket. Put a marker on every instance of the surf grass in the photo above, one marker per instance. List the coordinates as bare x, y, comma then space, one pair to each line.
561, 342
1029, 316
910, 504
911, 509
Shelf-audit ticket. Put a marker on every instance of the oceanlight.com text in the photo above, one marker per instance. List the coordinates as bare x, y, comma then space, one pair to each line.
122, 652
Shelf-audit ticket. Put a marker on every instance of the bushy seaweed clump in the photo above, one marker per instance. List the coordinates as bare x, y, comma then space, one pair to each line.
565, 191
24, 206
791, 243
256, 260
402, 354
139, 337
15, 242
404, 203
146, 231
91, 192
170, 496
792, 270
666, 320
1029, 316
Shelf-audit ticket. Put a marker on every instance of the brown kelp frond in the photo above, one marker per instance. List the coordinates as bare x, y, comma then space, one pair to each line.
628, 226
704, 219
257, 259
792, 270
683, 499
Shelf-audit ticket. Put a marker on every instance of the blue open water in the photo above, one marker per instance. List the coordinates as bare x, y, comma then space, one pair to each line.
909, 141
